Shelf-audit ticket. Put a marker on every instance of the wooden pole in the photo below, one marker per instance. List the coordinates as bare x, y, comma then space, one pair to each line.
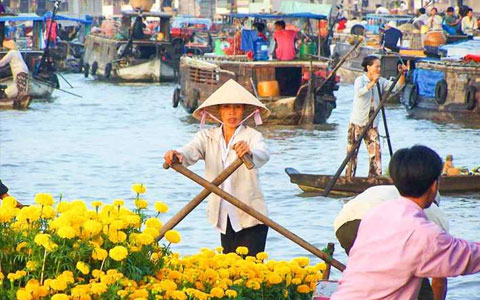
187, 209
384, 117
262, 218
330, 185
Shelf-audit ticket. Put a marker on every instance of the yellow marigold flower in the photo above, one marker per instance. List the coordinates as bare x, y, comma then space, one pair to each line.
9, 202
117, 236
29, 214
139, 188
231, 293
97, 273
1, 276
21, 245
60, 297
273, 278
98, 288
262, 256
83, 267
66, 232
179, 295
99, 253
118, 202
145, 239
153, 223
24, 295
242, 250
41, 239
92, 227
63, 207
296, 281
303, 289
217, 292
59, 284
302, 261
173, 236
44, 199
161, 207
48, 212
141, 204
118, 253
96, 204
31, 265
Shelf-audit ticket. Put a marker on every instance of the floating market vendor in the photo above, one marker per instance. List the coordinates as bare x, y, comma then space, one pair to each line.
365, 102
451, 21
284, 42
391, 37
448, 167
469, 23
17, 65
230, 106
396, 245
349, 218
434, 22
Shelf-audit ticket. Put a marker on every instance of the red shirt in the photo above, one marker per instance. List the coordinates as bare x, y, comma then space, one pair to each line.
285, 44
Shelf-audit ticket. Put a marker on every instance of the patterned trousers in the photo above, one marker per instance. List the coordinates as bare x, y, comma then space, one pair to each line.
372, 141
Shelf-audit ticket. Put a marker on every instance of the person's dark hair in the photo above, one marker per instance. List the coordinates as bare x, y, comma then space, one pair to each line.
450, 9
281, 24
422, 10
368, 61
378, 5
259, 26
469, 10
414, 170
434, 8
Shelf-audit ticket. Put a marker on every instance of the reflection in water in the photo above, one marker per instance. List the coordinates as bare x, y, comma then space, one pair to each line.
94, 149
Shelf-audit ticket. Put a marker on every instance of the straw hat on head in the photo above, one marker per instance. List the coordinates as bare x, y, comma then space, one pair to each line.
9, 44
392, 24
231, 92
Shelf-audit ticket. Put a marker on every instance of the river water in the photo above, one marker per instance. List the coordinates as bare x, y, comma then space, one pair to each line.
96, 147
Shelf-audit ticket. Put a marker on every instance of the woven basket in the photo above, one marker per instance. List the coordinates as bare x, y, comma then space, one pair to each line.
141, 5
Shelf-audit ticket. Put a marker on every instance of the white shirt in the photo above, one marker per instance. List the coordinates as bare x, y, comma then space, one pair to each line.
382, 11
227, 209
359, 206
362, 101
434, 23
15, 59
422, 18
469, 25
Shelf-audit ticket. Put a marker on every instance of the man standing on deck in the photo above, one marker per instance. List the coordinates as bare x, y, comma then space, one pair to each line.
348, 220
397, 245
284, 42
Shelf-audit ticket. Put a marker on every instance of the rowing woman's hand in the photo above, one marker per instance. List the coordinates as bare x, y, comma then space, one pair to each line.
241, 148
171, 154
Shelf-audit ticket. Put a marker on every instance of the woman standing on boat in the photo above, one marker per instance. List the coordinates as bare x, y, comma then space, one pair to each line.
230, 106
366, 100
17, 65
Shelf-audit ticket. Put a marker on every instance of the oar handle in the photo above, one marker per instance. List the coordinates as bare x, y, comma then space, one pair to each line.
247, 160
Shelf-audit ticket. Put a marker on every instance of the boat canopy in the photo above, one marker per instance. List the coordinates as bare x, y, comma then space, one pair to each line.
157, 14
21, 18
87, 20
179, 21
305, 15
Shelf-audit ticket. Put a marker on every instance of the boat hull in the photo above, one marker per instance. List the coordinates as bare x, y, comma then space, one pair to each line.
317, 183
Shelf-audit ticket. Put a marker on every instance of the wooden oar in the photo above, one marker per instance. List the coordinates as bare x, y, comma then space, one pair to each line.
330, 185
254, 213
308, 110
384, 117
246, 159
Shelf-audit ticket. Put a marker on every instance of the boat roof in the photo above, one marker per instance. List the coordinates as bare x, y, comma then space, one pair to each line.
87, 20
192, 20
305, 15
390, 17
158, 14
21, 18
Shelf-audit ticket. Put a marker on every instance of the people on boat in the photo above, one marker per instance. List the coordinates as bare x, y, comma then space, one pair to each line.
434, 22
11, 30
421, 18
396, 244
284, 42
380, 10
17, 65
138, 28
51, 33
448, 167
469, 23
366, 101
451, 21
231, 106
391, 37
348, 221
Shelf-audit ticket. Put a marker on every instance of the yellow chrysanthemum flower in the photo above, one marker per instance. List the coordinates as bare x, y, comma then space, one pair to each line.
44, 199
66, 232
153, 223
173, 236
83, 267
161, 207
242, 250
118, 253
96, 204
118, 202
231, 293
139, 188
217, 292
303, 289
9, 202
24, 295
141, 204
60, 297
99, 254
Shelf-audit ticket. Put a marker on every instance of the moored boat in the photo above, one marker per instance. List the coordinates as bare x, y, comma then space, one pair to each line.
23, 98
122, 57
317, 183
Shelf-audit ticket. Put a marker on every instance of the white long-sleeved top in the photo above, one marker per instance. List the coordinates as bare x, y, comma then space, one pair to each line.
245, 184
17, 65
469, 25
362, 101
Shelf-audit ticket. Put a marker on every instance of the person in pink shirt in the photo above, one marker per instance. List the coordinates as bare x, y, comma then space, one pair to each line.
284, 42
397, 246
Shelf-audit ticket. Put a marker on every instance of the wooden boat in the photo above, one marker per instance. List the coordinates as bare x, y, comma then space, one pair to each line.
129, 59
317, 183
23, 98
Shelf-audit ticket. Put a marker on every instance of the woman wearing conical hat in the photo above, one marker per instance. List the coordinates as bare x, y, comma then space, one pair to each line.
17, 65
231, 106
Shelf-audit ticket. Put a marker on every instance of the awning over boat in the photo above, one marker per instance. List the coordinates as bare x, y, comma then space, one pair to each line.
87, 20
279, 16
21, 18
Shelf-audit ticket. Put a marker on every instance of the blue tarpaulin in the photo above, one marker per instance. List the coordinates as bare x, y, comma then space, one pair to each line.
88, 19
21, 18
280, 16
427, 81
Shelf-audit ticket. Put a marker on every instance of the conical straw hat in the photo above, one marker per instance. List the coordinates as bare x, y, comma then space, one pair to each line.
231, 92
9, 44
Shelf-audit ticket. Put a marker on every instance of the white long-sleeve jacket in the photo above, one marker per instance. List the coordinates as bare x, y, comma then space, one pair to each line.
245, 184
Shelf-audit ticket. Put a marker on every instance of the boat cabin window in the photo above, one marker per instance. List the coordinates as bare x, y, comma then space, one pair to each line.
289, 80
